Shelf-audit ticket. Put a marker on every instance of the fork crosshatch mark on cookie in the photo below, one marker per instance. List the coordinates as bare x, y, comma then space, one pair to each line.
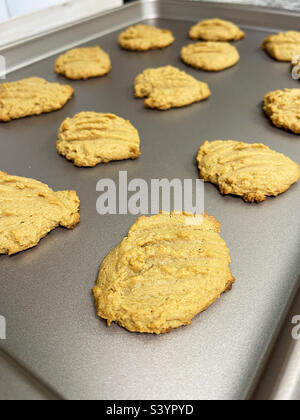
168, 87
164, 273
252, 171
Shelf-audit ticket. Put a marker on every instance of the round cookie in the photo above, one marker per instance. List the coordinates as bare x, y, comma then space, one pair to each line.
90, 138
32, 96
83, 63
216, 30
168, 87
252, 171
283, 46
170, 268
30, 210
283, 108
145, 38
210, 56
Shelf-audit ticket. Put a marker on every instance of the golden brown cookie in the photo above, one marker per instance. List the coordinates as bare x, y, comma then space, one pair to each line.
145, 38
252, 171
283, 108
33, 96
169, 87
91, 138
216, 30
283, 46
83, 63
29, 210
170, 268
210, 56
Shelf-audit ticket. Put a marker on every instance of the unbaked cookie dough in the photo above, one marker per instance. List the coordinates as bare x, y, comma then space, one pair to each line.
83, 63
168, 87
32, 96
170, 268
252, 171
210, 56
29, 210
90, 138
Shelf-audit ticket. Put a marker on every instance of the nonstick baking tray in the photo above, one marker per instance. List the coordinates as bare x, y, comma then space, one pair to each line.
52, 327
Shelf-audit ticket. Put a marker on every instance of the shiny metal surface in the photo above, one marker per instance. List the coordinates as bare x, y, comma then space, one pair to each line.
281, 376
17, 384
45, 294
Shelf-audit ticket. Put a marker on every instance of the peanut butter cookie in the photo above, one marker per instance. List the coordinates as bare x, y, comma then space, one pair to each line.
91, 138
168, 87
283, 108
170, 268
283, 46
145, 38
210, 56
216, 30
252, 171
83, 63
33, 96
29, 210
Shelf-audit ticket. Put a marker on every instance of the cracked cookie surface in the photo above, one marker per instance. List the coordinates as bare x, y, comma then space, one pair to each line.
170, 268
90, 138
145, 38
83, 63
210, 56
283, 108
168, 87
216, 30
29, 210
32, 96
283, 46
252, 171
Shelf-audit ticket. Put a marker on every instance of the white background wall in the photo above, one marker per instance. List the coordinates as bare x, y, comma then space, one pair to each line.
20, 7
63, 13
13, 8
3, 10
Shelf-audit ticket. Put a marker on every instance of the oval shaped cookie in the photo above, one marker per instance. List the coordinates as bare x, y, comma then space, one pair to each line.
90, 138
210, 56
283, 46
252, 171
145, 38
283, 108
216, 30
32, 96
170, 268
168, 87
29, 210
83, 63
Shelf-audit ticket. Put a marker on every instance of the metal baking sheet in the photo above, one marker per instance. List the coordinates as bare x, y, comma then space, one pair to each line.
52, 327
